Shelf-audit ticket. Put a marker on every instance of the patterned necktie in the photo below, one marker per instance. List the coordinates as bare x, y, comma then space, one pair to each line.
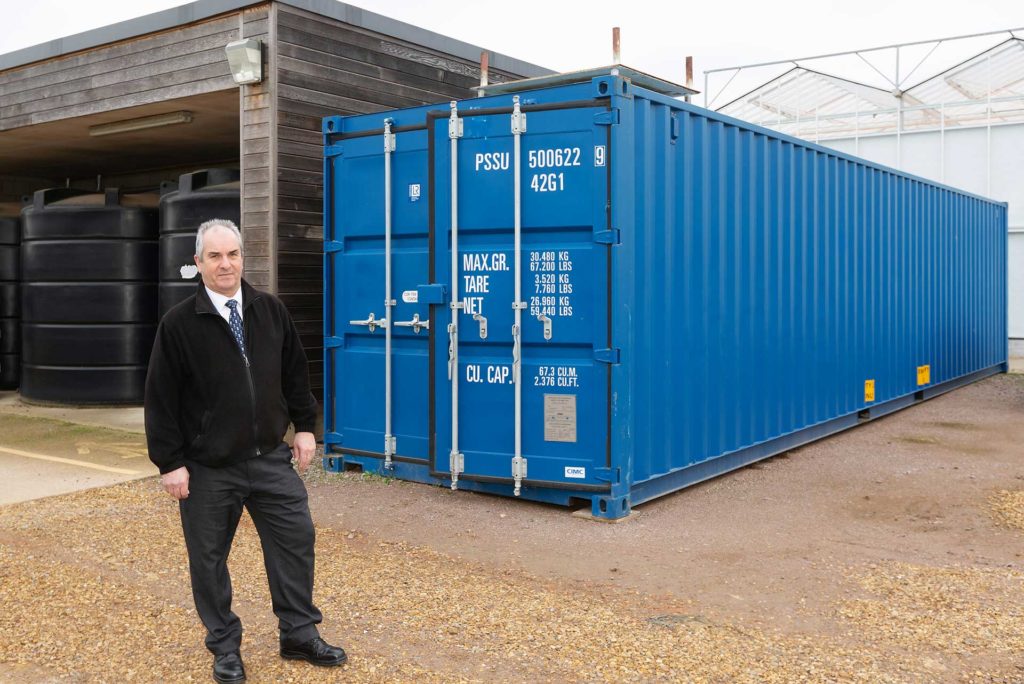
235, 321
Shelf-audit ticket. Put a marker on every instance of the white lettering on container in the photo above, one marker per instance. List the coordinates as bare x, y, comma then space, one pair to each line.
498, 375
552, 283
547, 182
492, 161
474, 261
493, 375
553, 158
556, 376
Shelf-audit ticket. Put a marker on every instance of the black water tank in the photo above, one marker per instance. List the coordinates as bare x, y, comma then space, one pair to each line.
10, 301
200, 196
89, 296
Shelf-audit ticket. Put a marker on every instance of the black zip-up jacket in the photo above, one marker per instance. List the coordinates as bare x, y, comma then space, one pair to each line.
207, 404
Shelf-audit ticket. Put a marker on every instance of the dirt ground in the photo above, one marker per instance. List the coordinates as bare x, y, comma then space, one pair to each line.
891, 553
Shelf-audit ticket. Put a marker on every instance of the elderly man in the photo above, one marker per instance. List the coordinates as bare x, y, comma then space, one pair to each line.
226, 377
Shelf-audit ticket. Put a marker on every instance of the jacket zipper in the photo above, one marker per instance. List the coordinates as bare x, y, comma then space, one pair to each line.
252, 398
252, 393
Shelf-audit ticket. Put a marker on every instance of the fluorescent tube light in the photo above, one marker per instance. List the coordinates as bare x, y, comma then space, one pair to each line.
140, 124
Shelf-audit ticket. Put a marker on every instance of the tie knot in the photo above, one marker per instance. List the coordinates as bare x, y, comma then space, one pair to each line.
231, 304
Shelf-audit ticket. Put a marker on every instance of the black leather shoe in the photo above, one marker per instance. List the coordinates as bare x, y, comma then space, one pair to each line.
316, 651
228, 668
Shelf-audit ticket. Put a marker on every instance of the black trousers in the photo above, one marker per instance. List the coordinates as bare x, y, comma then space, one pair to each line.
270, 489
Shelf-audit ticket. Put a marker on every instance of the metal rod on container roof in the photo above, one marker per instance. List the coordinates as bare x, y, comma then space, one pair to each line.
689, 74
616, 45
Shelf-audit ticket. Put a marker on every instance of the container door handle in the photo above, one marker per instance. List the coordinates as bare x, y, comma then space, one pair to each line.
547, 325
372, 322
416, 324
483, 325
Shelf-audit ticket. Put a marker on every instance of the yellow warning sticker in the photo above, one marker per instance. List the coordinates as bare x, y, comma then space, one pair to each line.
924, 375
869, 390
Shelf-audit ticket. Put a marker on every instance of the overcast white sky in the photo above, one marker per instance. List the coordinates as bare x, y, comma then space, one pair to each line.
656, 36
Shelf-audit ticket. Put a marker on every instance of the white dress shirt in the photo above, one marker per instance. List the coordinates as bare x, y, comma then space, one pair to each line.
220, 303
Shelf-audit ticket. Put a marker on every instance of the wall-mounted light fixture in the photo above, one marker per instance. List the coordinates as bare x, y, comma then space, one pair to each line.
246, 60
140, 124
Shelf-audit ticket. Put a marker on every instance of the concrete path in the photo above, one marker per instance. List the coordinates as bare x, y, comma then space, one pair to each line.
49, 450
127, 418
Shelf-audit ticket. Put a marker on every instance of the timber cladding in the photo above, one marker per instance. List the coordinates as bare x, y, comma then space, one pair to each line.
324, 67
180, 62
256, 107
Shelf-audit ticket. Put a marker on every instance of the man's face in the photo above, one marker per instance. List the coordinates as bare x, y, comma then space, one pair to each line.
221, 261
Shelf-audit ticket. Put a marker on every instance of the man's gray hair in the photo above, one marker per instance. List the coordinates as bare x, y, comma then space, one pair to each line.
216, 223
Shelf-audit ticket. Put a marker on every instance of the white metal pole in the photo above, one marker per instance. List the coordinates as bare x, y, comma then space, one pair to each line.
988, 128
899, 115
856, 133
942, 142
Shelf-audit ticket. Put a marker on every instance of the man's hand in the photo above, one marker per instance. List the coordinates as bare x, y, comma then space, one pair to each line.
303, 449
176, 483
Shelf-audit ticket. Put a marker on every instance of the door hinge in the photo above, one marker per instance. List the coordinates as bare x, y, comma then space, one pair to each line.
332, 342
607, 475
607, 118
332, 438
608, 237
332, 151
606, 355
332, 246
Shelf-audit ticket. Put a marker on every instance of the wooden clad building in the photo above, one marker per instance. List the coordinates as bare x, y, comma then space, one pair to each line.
320, 57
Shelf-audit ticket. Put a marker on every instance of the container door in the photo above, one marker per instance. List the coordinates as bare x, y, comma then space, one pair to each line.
376, 255
558, 436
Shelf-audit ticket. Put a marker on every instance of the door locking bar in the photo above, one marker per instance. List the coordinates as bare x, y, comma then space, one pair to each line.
416, 324
372, 322
518, 128
456, 460
389, 439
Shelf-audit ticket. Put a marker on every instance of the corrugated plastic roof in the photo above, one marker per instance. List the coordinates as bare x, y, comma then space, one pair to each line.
987, 88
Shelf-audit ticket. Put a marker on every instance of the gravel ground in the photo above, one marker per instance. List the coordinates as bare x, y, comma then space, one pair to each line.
96, 584
96, 589
889, 554
1008, 509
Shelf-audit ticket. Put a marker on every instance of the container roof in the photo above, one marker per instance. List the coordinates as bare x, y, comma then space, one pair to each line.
204, 9
644, 80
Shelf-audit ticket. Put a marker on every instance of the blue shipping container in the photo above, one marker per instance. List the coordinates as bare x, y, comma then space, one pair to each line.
598, 293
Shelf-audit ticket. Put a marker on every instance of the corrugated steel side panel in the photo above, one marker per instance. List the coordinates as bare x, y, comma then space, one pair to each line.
757, 282
765, 280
